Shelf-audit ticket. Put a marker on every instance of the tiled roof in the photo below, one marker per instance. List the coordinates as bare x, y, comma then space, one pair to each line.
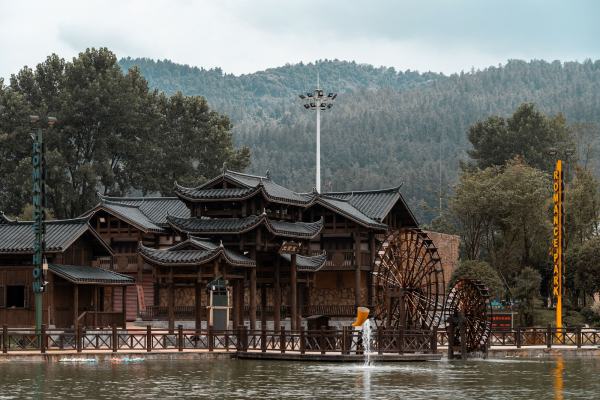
149, 214
172, 257
84, 275
307, 264
271, 190
204, 226
376, 204
204, 244
17, 236
195, 194
345, 208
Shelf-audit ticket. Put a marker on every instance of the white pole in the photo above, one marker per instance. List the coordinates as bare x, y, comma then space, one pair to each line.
318, 146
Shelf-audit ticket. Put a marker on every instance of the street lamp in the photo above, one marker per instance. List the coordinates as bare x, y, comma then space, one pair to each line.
39, 190
318, 101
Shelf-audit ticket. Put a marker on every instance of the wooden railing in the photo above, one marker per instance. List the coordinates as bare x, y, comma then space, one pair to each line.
329, 310
536, 336
101, 319
182, 313
344, 341
344, 259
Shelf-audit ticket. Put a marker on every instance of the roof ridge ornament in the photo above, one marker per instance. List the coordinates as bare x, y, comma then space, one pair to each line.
268, 175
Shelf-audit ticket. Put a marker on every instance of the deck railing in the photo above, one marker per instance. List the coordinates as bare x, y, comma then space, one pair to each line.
326, 340
341, 341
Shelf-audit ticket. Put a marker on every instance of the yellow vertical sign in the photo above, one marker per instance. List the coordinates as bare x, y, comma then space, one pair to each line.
557, 241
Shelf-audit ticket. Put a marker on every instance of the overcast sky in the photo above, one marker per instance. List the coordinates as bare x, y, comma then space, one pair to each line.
246, 36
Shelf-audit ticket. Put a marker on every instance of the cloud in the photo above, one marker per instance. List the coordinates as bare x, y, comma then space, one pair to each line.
245, 36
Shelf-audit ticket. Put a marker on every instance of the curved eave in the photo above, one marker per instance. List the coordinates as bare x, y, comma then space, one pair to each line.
376, 225
181, 192
102, 207
318, 227
146, 254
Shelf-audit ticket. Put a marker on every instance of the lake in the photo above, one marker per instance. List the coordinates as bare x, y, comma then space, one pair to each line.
244, 379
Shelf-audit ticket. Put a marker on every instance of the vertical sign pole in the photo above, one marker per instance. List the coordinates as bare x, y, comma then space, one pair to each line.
557, 242
318, 146
38, 222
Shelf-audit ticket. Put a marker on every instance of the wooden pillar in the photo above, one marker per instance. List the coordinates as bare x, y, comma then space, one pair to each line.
96, 301
277, 297
171, 300
373, 254
235, 294
140, 279
198, 299
124, 305
75, 305
253, 298
263, 307
300, 306
357, 301
294, 292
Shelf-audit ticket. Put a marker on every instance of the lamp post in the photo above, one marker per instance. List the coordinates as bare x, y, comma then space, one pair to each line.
39, 190
318, 101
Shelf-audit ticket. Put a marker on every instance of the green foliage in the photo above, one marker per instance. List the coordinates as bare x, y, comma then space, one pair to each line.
583, 207
526, 291
386, 125
528, 134
479, 270
501, 214
583, 269
114, 135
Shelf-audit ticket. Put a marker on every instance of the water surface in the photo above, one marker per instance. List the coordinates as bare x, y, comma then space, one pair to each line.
244, 379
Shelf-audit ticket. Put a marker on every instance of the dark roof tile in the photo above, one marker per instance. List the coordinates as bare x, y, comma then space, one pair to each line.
90, 275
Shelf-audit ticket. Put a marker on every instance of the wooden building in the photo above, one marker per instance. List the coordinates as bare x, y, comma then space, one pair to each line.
76, 291
124, 223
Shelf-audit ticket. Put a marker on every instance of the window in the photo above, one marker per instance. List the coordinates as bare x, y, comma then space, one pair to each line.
15, 296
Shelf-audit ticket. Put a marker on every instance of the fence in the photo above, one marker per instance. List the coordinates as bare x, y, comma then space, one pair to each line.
549, 336
341, 341
326, 340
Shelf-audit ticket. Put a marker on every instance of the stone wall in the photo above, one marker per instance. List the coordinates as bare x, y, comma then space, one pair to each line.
448, 247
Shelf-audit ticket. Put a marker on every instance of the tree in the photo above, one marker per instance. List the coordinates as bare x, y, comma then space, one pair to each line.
502, 215
479, 270
525, 291
528, 134
582, 208
583, 270
114, 135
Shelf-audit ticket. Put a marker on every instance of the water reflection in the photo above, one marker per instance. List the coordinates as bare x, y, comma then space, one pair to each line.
558, 379
509, 379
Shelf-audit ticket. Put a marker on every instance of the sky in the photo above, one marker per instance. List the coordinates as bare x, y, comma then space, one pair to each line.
246, 36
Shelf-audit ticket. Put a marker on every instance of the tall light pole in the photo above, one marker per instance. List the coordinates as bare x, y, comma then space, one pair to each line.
39, 190
317, 101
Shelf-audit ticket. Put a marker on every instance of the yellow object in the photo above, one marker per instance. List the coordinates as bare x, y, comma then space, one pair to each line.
557, 243
362, 313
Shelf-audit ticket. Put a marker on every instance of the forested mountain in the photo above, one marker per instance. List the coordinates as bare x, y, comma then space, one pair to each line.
386, 125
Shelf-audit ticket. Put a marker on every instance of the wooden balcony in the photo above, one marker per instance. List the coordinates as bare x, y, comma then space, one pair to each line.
342, 260
120, 262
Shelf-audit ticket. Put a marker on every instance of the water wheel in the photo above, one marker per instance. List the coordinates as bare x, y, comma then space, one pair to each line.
469, 308
408, 282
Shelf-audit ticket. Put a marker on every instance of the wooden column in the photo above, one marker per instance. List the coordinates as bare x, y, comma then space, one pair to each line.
124, 305
96, 300
300, 306
198, 299
235, 294
373, 253
356, 269
294, 292
277, 297
75, 304
263, 307
171, 300
253, 298
140, 278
